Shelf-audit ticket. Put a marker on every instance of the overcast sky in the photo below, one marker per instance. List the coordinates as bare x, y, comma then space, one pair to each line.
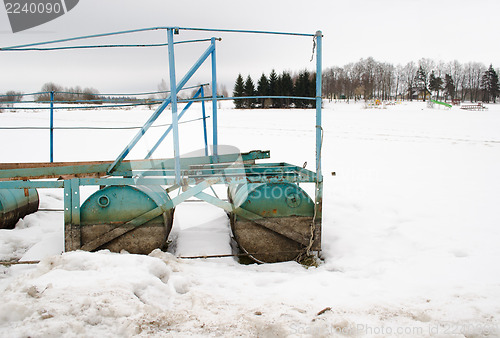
395, 31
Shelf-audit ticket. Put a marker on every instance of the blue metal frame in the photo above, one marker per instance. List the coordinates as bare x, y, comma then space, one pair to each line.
194, 174
205, 137
214, 101
173, 102
162, 107
199, 93
318, 205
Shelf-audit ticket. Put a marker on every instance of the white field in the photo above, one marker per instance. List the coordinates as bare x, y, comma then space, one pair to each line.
411, 233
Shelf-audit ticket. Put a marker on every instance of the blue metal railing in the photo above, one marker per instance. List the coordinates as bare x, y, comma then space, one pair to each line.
52, 108
172, 99
176, 29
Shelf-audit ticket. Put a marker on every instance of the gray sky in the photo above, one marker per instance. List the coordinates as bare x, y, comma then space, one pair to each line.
395, 31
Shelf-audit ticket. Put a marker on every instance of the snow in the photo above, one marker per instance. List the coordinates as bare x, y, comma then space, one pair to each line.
410, 233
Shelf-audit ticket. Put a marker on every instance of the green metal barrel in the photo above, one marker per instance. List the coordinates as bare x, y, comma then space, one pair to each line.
15, 204
284, 230
113, 206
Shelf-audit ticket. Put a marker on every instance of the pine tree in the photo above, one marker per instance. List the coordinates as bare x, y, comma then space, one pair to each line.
249, 90
273, 87
490, 85
311, 89
494, 84
263, 90
239, 89
280, 103
301, 88
421, 82
305, 86
286, 88
449, 86
435, 84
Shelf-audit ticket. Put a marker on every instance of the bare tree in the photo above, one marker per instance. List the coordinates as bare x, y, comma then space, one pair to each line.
410, 72
399, 78
90, 94
47, 88
163, 87
456, 71
473, 74
11, 96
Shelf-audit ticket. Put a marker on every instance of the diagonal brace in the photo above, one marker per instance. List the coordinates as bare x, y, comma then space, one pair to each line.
169, 129
160, 109
267, 223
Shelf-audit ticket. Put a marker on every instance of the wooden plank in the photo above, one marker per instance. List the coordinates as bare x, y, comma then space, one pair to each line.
4, 166
67, 170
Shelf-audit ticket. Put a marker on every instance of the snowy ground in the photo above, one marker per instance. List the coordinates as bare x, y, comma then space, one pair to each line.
410, 234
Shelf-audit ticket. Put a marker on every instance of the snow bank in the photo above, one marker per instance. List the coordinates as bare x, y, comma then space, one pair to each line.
81, 293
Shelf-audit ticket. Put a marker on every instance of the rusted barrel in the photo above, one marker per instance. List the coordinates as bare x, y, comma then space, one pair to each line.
284, 230
15, 204
113, 206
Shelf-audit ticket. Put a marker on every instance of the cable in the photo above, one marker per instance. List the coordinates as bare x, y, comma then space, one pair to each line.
97, 128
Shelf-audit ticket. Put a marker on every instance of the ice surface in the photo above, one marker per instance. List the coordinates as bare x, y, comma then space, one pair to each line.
410, 233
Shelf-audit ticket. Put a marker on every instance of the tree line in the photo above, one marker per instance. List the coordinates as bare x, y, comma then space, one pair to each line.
10, 96
61, 94
67, 94
369, 79
282, 86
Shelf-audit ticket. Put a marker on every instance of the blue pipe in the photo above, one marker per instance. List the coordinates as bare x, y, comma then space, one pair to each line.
242, 31
214, 100
84, 37
319, 130
14, 49
173, 95
318, 196
51, 127
205, 138
178, 101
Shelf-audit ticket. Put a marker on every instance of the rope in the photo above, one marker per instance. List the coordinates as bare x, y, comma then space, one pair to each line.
314, 47
98, 128
84, 107
98, 94
246, 254
7, 263
307, 250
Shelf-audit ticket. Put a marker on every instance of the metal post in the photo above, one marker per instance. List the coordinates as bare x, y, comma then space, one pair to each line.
51, 126
319, 130
173, 95
214, 100
318, 204
204, 120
